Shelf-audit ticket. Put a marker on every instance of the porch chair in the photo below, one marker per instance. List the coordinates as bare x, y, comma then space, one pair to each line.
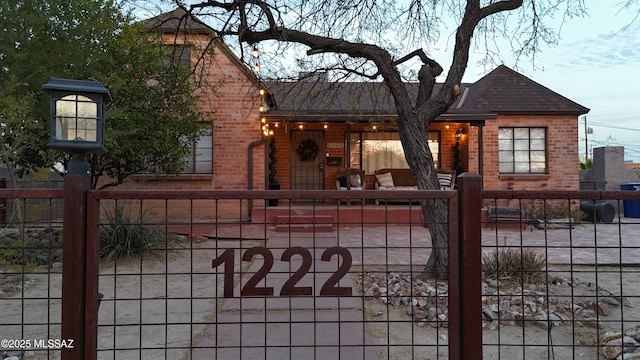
350, 179
447, 179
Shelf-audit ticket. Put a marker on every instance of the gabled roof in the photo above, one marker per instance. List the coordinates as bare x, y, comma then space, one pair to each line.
182, 21
506, 91
178, 20
502, 91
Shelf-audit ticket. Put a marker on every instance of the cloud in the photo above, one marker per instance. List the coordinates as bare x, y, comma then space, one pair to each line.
609, 49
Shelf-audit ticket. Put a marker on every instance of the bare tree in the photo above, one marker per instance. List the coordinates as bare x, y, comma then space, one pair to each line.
370, 38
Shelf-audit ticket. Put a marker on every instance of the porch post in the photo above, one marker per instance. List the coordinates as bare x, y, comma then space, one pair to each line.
347, 155
481, 155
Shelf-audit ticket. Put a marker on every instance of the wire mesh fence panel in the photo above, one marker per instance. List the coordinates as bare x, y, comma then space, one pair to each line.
30, 274
560, 282
303, 280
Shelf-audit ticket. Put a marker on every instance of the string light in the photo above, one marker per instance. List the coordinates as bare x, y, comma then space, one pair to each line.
266, 130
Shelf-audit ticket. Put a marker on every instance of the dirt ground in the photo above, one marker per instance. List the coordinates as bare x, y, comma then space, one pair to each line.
185, 299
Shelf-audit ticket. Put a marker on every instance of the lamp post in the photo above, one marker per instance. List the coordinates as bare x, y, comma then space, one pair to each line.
77, 116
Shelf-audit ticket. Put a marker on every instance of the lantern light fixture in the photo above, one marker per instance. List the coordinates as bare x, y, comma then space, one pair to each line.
77, 115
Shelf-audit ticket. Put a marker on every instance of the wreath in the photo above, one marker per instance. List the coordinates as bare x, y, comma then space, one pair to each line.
308, 150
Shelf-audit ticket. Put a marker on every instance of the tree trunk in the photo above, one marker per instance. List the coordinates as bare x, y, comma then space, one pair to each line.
413, 131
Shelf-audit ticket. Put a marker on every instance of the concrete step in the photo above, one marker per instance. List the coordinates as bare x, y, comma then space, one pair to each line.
305, 228
305, 219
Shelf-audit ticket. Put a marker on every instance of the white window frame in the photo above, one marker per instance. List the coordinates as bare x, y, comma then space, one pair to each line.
523, 150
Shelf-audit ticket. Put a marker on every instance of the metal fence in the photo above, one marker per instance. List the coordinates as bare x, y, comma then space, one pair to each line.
576, 295
182, 278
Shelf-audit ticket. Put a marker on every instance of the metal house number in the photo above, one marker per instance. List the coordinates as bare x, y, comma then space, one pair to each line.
289, 288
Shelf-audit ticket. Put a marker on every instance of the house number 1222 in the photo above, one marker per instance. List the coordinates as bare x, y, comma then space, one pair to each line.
289, 288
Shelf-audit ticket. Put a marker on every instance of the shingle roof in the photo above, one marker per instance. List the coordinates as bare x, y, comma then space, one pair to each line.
336, 97
504, 91
177, 20
501, 91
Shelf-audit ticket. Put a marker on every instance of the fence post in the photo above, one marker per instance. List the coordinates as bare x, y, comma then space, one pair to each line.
469, 271
76, 184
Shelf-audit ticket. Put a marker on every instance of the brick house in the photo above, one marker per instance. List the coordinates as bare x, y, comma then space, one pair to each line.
515, 132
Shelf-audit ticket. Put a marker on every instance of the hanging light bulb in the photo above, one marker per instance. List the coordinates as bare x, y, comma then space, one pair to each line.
255, 51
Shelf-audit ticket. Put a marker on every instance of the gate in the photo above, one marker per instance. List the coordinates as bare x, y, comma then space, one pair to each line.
315, 281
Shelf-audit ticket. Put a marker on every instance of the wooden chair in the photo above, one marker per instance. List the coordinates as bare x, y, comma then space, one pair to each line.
447, 179
351, 179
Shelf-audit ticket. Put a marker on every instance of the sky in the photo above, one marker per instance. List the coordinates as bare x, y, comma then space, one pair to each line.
596, 64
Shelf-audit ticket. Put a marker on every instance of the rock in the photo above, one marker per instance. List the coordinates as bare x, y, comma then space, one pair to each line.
629, 356
633, 332
611, 344
489, 314
545, 321
602, 309
523, 320
610, 301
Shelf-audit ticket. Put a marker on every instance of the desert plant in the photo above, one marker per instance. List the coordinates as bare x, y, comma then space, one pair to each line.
272, 163
14, 256
556, 210
124, 235
524, 266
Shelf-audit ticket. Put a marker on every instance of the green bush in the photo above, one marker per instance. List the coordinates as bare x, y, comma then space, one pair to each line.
14, 256
524, 266
124, 236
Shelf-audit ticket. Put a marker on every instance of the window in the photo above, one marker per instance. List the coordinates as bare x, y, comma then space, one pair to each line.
179, 54
371, 151
200, 161
522, 150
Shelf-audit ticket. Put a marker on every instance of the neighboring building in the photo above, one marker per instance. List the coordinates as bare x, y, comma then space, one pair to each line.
608, 170
515, 132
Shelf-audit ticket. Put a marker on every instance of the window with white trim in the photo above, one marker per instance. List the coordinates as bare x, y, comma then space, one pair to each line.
371, 151
200, 160
522, 150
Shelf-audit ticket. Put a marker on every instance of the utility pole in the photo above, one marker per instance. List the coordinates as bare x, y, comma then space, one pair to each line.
587, 131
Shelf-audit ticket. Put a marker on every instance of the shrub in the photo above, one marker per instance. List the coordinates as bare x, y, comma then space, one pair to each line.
124, 236
14, 256
517, 265
557, 210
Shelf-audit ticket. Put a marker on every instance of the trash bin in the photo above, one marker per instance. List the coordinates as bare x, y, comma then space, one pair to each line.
631, 207
603, 212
